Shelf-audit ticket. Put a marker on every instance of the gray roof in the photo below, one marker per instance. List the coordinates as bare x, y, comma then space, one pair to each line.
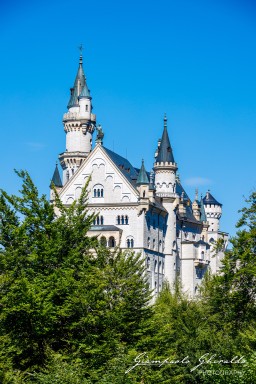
56, 180
103, 228
76, 90
189, 212
165, 151
202, 211
209, 199
124, 165
142, 177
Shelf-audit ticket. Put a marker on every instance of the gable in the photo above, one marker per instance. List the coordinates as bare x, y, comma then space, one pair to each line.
108, 184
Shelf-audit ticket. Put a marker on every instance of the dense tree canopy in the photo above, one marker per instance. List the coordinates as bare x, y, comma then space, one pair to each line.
73, 311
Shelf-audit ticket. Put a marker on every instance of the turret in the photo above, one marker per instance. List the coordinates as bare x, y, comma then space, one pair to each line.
142, 182
165, 167
213, 210
196, 207
79, 124
56, 182
165, 189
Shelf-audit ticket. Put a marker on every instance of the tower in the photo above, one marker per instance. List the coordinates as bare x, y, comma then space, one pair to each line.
56, 181
79, 124
165, 183
213, 210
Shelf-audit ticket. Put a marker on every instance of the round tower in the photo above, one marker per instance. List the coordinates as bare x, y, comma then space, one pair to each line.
165, 170
79, 124
213, 210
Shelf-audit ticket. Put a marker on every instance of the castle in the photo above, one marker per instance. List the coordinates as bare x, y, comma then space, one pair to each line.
148, 212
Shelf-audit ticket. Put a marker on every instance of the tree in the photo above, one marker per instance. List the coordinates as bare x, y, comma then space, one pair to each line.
61, 290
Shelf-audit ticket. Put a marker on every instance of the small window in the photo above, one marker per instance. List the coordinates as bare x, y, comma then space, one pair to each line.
130, 242
159, 267
154, 243
155, 266
86, 107
126, 220
148, 263
98, 191
202, 255
118, 220
101, 220
122, 220
103, 241
111, 242
148, 242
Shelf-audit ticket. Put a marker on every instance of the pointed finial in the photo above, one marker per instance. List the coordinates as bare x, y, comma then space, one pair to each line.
165, 121
81, 53
196, 194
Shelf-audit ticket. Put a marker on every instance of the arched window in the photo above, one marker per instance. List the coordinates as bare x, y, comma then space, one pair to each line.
67, 174
203, 238
118, 220
155, 266
148, 263
130, 242
144, 194
154, 243
202, 255
160, 246
155, 287
86, 107
126, 220
101, 220
103, 241
148, 242
98, 191
122, 220
159, 267
163, 268
111, 242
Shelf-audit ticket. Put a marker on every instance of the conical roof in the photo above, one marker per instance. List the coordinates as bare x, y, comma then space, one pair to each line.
203, 217
209, 199
142, 177
79, 85
165, 151
56, 180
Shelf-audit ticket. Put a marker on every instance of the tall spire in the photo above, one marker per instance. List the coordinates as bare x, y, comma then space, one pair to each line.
203, 217
79, 84
165, 151
56, 180
142, 177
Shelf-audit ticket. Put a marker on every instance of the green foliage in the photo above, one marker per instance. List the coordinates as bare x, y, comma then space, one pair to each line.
72, 311
60, 289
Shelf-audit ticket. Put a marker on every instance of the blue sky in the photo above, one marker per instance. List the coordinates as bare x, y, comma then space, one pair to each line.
194, 60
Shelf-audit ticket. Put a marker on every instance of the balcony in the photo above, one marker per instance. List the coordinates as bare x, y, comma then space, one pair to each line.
201, 263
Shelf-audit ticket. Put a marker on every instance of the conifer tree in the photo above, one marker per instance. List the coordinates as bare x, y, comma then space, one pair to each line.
61, 290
